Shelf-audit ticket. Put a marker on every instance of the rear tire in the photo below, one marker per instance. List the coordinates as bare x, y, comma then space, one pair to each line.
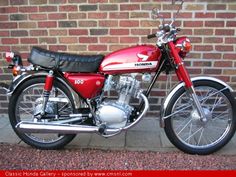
188, 133
23, 104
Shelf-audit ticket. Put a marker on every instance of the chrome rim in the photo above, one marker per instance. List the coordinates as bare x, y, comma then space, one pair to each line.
28, 102
190, 129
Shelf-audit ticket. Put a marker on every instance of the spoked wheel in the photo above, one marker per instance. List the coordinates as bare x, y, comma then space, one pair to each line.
27, 102
188, 132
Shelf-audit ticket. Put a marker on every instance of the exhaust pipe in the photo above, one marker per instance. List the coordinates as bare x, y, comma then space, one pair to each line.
32, 127
38, 127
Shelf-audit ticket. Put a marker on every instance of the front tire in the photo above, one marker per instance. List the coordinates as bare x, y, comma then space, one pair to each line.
185, 129
24, 102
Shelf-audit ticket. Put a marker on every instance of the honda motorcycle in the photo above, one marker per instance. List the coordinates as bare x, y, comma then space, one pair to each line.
60, 95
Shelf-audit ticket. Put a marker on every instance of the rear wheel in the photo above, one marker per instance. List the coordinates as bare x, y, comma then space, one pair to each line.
26, 101
188, 132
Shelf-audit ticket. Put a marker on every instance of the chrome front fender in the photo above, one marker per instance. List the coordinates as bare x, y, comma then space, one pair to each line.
179, 86
26, 76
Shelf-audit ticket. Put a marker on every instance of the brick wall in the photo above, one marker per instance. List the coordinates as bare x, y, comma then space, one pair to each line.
102, 26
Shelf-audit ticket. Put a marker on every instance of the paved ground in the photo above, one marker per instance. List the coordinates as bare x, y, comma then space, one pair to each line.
146, 136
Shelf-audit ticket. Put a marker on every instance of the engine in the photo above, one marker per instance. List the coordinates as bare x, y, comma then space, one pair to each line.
115, 113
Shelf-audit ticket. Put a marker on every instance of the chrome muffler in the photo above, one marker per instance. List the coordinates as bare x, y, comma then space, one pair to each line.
32, 127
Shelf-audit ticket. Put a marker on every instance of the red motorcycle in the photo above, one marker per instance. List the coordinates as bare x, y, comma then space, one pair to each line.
60, 95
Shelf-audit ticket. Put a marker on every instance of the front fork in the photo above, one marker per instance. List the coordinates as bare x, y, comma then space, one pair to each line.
46, 91
183, 75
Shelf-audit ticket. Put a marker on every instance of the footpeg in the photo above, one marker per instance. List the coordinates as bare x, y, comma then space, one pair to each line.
102, 129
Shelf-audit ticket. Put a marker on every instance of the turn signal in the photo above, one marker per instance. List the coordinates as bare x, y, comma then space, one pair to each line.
16, 70
187, 46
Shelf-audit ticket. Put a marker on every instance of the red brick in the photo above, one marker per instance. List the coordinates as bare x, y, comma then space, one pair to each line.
28, 40
216, 7
47, 8
10, 41
3, 17
97, 1
119, 15
47, 24
212, 55
38, 32
77, 48
58, 32
204, 15
4, 33
119, 31
109, 40
223, 63
108, 7
224, 48
213, 40
26, 9
68, 40
8, 25
214, 24
19, 33
195, 7
139, 15
57, 1
212, 71
193, 23
87, 23
203, 48
8, 10
231, 23
149, 23
97, 47
77, 15
68, 8
57, 16
78, 32
47, 40
129, 7
203, 31
38, 17
224, 32
195, 39
230, 40
117, 47
129, 40
27, 24
140, 31
229, 56
185, 15
100, 15
57, 47
129, 23
225, 15
88, 40
108, 23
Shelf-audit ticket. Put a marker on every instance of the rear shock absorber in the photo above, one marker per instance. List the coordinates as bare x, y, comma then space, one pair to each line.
47, 90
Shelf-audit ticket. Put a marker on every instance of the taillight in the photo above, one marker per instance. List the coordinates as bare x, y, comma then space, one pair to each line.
9, 56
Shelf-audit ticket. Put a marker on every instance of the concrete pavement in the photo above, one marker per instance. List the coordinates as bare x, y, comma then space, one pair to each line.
145, 136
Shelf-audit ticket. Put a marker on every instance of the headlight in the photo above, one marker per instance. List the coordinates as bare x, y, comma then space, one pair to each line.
183, 46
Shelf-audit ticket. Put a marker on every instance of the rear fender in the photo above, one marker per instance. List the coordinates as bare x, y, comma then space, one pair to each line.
179, 86
24, 77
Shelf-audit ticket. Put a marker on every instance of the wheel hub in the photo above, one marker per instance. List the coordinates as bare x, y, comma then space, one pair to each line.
196, 117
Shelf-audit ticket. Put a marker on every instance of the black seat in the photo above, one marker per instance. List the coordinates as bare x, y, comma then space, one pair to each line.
65, 62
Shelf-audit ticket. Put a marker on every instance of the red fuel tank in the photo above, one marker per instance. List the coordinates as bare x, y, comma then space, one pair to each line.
86, 84
136, 59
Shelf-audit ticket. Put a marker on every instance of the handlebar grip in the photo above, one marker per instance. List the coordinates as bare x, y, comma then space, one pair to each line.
150, 36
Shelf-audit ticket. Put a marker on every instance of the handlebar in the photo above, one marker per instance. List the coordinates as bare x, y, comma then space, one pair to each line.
150, 36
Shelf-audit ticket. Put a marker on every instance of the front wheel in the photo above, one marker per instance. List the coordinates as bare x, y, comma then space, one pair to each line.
188, 132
